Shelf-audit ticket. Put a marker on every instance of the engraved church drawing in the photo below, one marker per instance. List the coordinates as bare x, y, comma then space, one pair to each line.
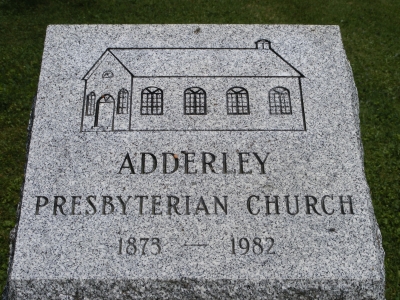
193, 89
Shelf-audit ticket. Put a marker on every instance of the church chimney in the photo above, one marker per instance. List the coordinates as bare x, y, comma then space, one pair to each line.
263, 44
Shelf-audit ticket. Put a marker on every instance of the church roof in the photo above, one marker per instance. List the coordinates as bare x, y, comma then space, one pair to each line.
201, 62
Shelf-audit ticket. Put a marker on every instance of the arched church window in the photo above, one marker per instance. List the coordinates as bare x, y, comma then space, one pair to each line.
152, 101
195, 101
122, 101
279, 101
237, 101
90, 103
108, 74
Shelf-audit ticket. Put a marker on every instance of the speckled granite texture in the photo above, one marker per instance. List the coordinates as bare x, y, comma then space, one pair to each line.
195, 162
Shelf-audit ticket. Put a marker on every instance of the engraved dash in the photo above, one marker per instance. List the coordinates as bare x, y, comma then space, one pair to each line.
195, 245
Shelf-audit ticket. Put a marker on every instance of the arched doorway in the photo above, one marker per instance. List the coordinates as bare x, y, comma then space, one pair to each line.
105, 109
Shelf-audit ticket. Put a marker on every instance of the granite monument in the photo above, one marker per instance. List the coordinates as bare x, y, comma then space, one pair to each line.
195, 162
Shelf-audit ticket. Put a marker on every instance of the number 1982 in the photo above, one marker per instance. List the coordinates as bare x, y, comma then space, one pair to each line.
257, 245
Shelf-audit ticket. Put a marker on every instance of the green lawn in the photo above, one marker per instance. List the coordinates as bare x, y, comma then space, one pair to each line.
371, 34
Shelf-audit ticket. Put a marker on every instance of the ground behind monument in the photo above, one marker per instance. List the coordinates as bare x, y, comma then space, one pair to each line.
370, 31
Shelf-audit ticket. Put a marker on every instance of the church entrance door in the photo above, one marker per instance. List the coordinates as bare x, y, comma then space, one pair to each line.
105, 109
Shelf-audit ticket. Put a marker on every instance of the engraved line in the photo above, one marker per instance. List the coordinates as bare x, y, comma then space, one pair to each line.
94, 64
196, 245
182, 48
121, 63
149, 130
301, 75
130, 104
302, 105
83, 108
216, 76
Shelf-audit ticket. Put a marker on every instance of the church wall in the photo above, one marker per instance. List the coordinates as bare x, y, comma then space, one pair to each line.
173, 117
108, 86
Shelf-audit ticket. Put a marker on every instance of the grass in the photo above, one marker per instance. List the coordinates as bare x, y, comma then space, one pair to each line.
371, 35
